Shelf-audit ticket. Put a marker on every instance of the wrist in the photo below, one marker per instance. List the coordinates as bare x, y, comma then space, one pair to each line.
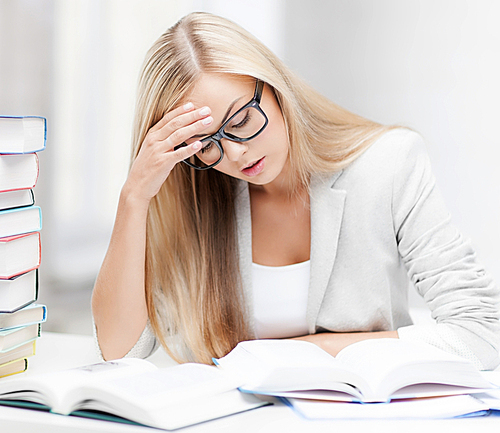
131, 199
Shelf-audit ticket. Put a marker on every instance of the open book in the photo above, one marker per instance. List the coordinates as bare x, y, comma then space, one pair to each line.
377, 370
453, 406
133, 390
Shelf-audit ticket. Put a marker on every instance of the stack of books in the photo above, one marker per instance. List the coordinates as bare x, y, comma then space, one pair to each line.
20, 246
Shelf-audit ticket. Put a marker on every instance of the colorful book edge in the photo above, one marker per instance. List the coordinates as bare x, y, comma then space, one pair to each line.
39, 333
37, 284
21, 209
44, 133
17, 371
17, 206
29, 306
37, 172
25, 271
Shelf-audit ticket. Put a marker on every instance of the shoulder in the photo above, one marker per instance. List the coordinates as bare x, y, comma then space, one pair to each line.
396, 151
392, 158
396, 145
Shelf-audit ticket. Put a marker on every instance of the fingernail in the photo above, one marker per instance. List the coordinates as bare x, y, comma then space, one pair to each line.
207, 121
197, 145
204, 111
188, 106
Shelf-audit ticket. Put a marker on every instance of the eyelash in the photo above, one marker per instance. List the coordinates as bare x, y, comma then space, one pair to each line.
207, 148
239, 125
243, 122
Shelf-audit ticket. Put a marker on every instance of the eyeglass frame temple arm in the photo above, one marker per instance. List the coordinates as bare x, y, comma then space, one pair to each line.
258, 90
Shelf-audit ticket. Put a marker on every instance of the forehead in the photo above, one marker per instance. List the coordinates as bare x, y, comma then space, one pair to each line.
218, 91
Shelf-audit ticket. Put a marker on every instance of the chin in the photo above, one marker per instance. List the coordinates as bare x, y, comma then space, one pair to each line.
257, 182
264, 179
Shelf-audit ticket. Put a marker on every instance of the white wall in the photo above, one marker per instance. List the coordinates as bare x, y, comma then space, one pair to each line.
99, 47
265, 19
433, 65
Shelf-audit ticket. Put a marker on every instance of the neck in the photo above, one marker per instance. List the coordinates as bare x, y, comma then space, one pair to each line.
284, 186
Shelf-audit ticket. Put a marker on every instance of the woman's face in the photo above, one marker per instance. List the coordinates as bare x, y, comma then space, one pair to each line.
261, 160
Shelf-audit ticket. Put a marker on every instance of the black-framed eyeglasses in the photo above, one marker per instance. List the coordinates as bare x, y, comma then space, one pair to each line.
244, 125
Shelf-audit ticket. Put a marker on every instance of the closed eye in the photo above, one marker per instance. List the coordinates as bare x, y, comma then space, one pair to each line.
206, 148
243, 122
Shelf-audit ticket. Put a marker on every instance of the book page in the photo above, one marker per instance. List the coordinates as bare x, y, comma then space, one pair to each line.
268, 366
171, 384
389, 364
344, 392
422, 408
176, 391
54, 389
251, 359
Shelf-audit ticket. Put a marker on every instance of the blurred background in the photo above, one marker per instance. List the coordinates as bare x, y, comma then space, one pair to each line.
432, 65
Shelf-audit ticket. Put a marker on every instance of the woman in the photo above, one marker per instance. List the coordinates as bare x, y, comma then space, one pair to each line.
256, 208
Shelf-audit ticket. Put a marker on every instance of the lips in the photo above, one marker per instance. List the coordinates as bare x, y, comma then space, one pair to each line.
250, 165
255, 168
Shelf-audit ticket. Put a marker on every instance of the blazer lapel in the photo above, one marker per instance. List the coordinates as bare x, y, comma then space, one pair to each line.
327, 208
244, 230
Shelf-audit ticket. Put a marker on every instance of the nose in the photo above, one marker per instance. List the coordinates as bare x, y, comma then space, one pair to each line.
234, 150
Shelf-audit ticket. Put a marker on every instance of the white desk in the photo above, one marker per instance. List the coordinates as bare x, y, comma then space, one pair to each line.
61, 351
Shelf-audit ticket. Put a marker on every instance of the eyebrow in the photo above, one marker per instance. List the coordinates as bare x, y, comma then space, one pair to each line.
223, 120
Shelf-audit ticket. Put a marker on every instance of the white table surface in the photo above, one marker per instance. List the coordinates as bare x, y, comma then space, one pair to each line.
61, 351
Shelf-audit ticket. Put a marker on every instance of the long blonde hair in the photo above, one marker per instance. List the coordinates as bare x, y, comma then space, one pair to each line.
193, 284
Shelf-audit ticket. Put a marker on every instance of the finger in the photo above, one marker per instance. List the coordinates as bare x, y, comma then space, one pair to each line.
168, 116
181, 121
179, 136
185, 152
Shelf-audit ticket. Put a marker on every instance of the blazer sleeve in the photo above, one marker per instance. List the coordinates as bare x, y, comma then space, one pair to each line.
442, 264
144, 347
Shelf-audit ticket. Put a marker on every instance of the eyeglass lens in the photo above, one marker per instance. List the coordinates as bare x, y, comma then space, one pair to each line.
243, 125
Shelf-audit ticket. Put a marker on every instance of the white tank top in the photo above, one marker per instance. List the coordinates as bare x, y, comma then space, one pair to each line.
280, 300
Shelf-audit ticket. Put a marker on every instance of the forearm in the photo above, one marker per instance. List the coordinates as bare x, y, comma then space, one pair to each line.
333, 342
118, 300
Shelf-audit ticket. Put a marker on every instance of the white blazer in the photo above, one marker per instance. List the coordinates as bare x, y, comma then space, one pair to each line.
378, 227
